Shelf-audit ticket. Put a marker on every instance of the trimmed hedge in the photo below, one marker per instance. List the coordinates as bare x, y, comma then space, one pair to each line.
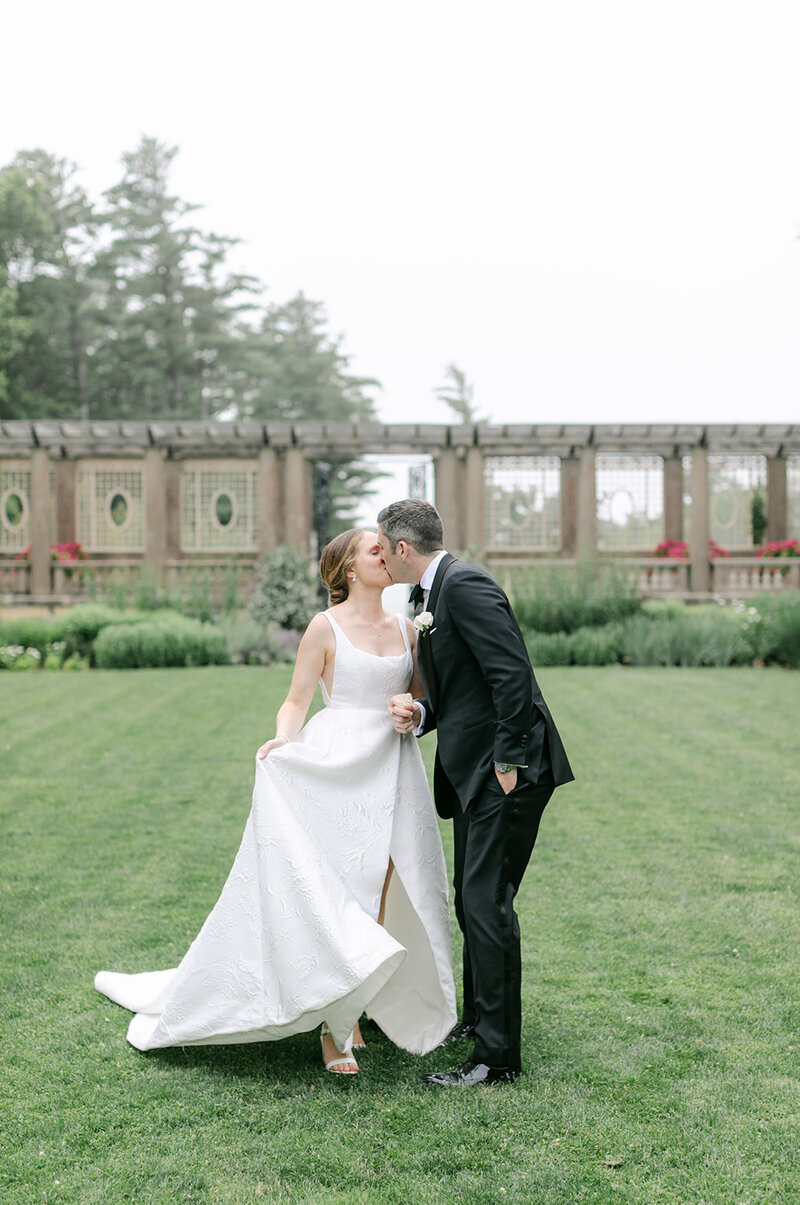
83, 623
586, 646
169, 640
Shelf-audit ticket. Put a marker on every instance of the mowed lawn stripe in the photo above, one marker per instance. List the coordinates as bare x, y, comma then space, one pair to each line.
659, 920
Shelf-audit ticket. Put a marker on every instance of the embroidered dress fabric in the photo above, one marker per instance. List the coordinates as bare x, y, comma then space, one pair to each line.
293, 939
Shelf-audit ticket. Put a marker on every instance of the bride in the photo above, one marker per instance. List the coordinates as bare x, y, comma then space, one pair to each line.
337, 900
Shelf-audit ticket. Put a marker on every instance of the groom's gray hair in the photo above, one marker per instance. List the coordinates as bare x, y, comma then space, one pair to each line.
416, 522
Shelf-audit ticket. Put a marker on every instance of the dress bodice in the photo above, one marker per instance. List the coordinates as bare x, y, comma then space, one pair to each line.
365, 680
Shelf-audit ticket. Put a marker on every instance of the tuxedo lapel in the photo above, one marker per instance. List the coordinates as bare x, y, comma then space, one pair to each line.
424, 653
443, 566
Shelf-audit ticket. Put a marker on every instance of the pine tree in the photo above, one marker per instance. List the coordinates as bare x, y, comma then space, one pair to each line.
169, 311
48, 233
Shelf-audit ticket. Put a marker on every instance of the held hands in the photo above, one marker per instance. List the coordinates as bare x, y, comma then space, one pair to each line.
276, 743
405, 713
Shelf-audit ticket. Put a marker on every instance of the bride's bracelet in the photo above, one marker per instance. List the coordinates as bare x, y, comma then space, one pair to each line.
281, 736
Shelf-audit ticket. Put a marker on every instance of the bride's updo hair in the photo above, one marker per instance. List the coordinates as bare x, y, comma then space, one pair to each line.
336, 562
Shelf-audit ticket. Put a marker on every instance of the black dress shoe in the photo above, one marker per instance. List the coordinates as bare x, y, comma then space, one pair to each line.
460, 1033
472, 1073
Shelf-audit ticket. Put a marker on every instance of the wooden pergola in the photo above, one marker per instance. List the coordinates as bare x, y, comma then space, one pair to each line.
47, 461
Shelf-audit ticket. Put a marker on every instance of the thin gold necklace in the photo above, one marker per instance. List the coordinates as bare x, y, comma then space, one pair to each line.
369, 621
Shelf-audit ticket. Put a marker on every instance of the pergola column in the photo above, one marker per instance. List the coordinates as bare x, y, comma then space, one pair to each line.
445, 473
269, 501
66, 519
586, 531
777, 498
155, 510
39, 523
570, 476
475, 508
673, 498
297, 500
700, 532
172, 470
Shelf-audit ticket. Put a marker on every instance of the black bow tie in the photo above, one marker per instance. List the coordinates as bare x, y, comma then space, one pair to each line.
417, 596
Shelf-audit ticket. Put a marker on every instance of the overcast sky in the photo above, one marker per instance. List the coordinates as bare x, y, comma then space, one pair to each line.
591, 206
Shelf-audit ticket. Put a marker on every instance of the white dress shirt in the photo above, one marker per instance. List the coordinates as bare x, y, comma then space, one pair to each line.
426, 581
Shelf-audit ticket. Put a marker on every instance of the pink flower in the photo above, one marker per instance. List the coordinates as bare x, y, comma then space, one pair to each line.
676, 549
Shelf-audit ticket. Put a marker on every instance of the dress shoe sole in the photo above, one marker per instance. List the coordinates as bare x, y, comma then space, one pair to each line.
445, 1081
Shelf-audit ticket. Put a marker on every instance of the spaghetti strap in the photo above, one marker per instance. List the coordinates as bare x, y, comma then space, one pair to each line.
401, 619
337, 630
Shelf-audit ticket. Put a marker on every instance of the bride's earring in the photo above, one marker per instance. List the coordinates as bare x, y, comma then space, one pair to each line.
355, 579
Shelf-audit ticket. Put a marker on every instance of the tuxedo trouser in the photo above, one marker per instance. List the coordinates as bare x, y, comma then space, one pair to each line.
493, 842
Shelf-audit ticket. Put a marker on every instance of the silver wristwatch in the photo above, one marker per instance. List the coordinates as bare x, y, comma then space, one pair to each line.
504, 767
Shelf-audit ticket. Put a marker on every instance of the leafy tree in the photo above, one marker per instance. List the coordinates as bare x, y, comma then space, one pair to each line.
299, 371
457, 393
216, 301
168, 309
132, 313
15, 330
47, 235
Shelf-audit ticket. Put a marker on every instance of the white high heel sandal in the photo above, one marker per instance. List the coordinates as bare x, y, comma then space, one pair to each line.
344, 1064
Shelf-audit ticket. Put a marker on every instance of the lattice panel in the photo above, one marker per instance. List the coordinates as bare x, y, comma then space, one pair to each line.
219, 505
523, 502
15, 504
793, 497
732, 481
630, 502
110, 506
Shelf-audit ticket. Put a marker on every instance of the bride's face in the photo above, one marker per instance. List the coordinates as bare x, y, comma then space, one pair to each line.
368, 565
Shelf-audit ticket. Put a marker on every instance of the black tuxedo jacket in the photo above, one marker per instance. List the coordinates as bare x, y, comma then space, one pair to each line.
481, 695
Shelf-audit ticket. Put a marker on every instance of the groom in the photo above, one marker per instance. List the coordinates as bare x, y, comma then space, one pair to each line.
499, 758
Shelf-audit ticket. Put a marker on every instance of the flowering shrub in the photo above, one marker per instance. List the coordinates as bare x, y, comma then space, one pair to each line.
26, 640
679, 549
778, 549
284, 593
66, 553
771, 624
674, 549
671, 550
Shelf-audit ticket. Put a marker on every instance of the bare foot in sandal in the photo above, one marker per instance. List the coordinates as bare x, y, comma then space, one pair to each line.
334, 1059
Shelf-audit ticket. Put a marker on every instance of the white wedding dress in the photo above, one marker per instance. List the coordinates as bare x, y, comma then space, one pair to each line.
293, 939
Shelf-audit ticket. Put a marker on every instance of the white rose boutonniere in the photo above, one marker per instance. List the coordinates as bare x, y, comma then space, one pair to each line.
422, 623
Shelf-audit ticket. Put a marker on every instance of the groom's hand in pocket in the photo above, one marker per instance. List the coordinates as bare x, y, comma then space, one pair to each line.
507, 779
404, 712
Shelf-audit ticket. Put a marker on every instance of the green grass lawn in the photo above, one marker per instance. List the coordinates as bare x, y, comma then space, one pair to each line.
660, 923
